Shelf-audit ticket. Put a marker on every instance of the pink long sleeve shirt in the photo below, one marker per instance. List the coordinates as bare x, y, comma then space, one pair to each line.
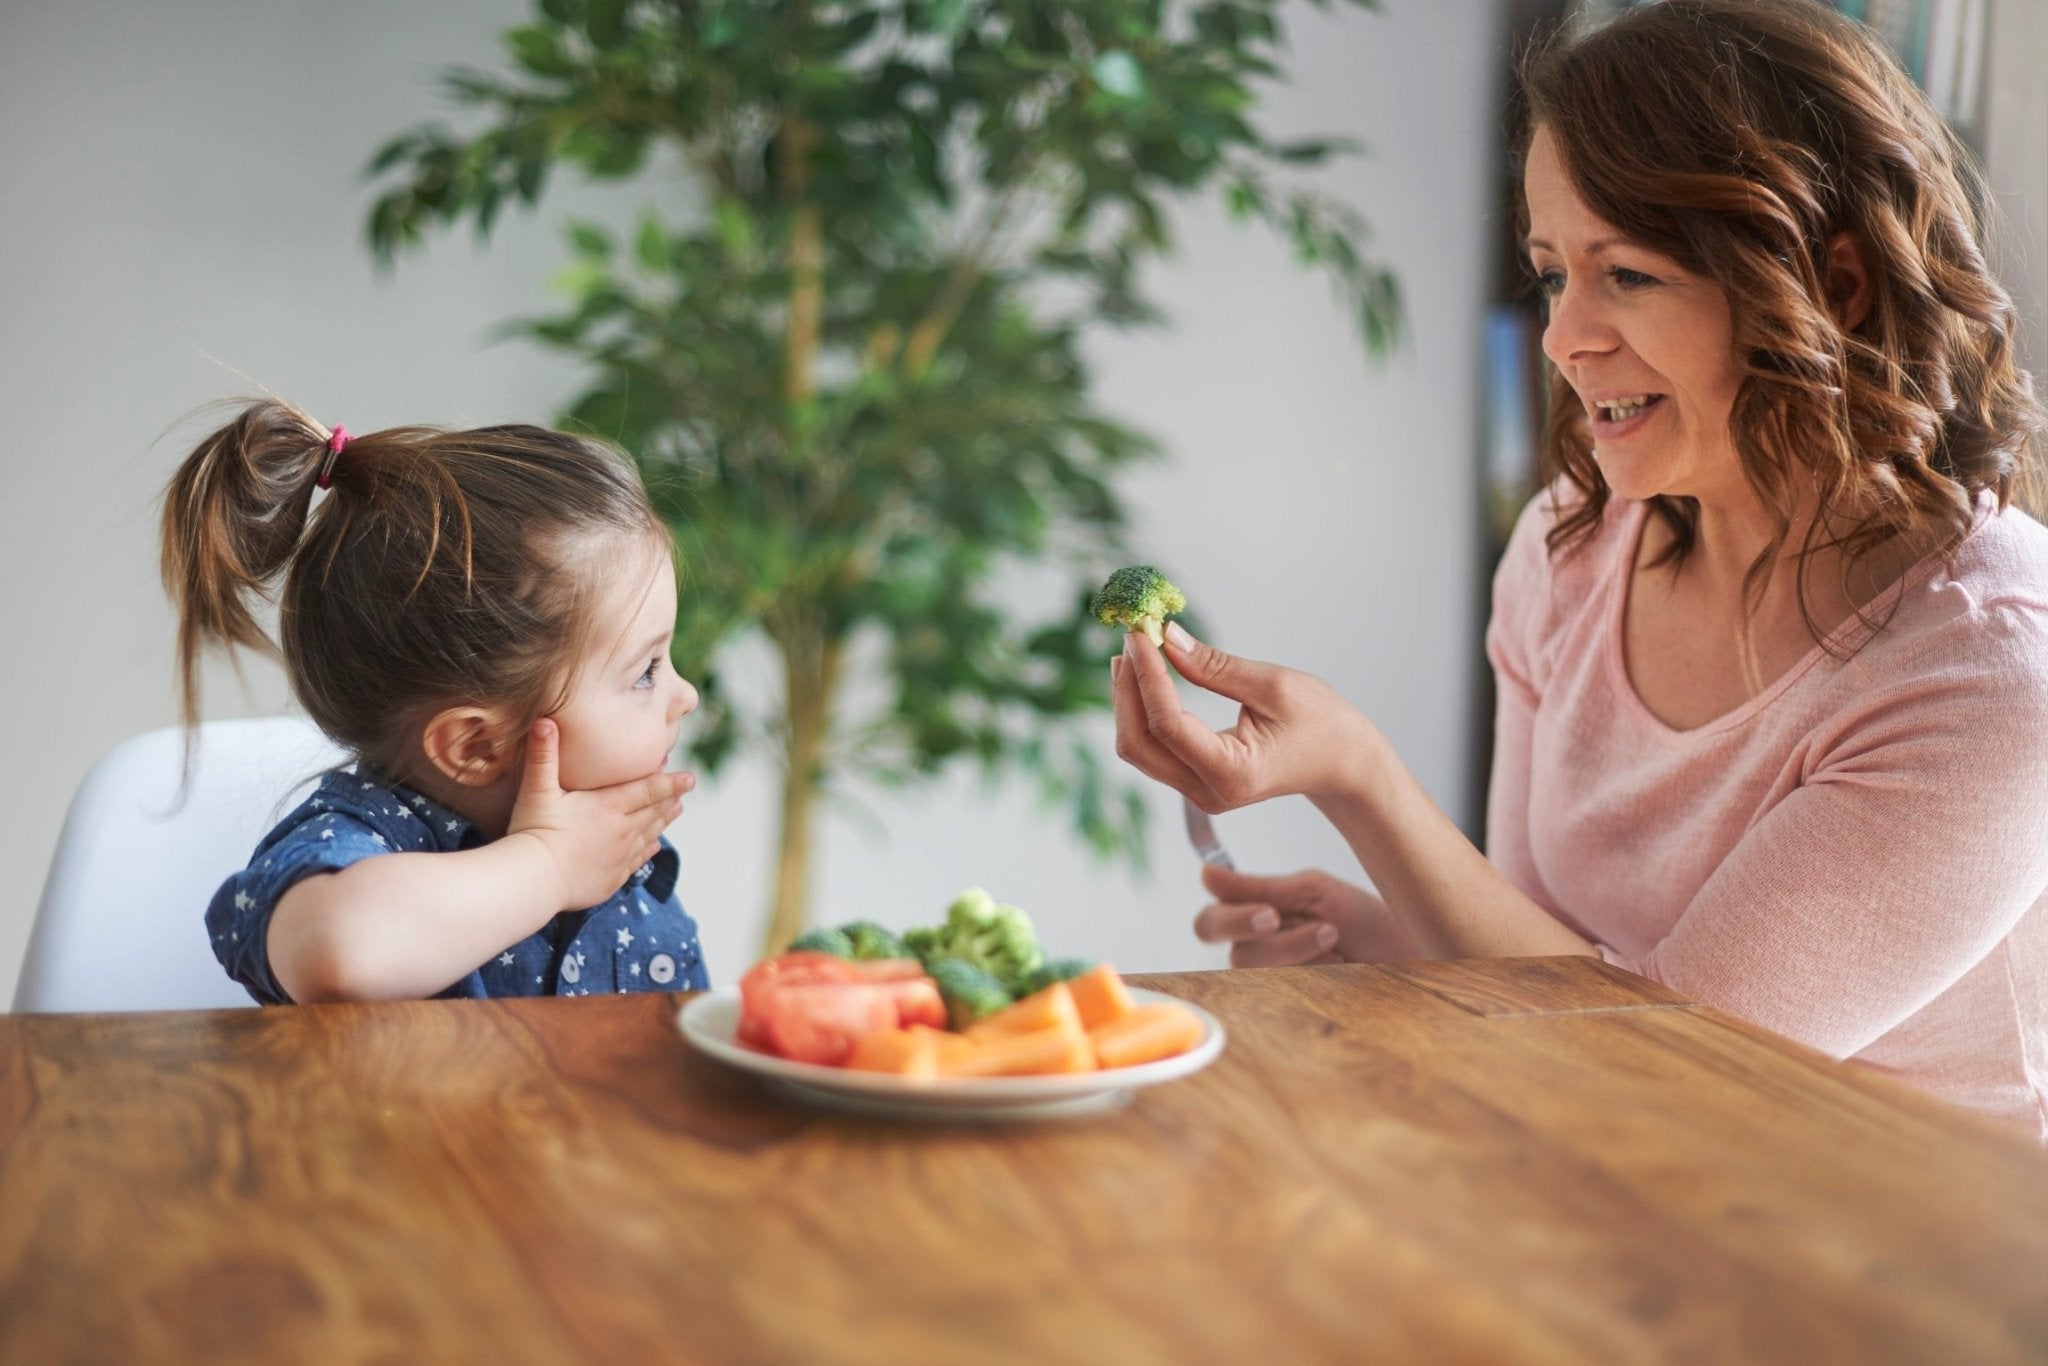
1857, 858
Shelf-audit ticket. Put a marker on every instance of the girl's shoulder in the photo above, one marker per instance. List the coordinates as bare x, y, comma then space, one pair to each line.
360, 807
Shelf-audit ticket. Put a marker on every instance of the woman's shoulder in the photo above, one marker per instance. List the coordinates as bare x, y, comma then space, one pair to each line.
1975, 621
1544, 595
1533, 574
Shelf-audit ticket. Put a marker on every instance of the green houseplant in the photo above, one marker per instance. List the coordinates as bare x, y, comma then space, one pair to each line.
846, 349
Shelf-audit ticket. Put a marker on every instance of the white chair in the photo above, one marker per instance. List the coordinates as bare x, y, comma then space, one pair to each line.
122, 921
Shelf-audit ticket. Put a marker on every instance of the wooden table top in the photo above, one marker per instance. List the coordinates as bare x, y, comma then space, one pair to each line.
1535, 1160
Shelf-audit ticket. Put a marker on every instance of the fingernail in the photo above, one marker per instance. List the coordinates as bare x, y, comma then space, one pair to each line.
1180, 639
1326, 936
1116, 667
1265, 922
1130, 644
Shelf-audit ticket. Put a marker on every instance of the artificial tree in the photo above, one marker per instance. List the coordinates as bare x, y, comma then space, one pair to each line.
847, 348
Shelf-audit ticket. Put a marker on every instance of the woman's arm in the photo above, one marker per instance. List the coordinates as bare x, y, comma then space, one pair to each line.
1295, 734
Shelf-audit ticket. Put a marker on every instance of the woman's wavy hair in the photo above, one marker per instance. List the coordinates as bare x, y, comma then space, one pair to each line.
442, 568
1737, 137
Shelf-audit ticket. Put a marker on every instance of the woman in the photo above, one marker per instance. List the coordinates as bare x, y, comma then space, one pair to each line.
1772, 649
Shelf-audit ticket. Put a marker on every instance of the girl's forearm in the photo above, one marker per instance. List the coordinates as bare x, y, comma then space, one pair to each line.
406, 925
1442, 889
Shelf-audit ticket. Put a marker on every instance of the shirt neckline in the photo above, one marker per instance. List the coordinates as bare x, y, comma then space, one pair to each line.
1846, 632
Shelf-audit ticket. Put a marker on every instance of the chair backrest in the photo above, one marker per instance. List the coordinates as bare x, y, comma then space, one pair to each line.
122, 920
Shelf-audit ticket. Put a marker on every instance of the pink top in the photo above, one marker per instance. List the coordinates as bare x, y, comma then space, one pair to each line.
1857, 858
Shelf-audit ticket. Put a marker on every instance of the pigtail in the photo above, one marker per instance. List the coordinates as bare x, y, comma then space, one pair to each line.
234, 514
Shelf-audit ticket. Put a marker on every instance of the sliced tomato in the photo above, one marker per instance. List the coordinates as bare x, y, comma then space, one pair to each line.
801, 965
888, 969
918, 1002
821, 1021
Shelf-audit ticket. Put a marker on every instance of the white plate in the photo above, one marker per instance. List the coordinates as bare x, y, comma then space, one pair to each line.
709, 1021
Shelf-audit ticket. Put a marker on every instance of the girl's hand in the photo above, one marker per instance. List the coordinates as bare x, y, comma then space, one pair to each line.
595, 839
1294, 733
1306, 917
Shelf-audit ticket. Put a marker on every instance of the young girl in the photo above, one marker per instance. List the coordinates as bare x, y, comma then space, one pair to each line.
483, 619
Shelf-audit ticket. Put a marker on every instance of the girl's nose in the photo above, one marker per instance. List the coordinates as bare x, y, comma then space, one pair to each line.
684, 701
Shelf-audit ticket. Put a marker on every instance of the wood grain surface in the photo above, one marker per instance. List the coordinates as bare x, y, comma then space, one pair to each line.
1534, 1161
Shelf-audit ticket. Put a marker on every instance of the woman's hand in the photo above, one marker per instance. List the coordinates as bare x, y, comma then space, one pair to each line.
1308, 917
594, 839
1294, 732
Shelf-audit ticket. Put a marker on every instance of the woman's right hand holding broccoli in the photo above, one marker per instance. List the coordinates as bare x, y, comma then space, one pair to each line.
595, 839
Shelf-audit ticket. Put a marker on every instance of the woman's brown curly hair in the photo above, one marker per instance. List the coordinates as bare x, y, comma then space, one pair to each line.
1737, 137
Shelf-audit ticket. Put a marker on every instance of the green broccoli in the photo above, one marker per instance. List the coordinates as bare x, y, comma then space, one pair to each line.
1055, 970
970, 993
822, 940
982, 931
870, 940
1138, 598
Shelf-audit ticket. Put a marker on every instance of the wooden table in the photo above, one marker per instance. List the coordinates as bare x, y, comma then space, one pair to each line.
1543, 1160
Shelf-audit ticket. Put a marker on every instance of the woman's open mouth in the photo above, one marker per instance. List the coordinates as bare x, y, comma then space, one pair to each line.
1618, 417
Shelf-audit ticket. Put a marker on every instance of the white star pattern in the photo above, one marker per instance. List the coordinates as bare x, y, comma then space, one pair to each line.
243, 901
328, 833
506, 959
625, 938
378, 840
319, 803
452, 825
636, 969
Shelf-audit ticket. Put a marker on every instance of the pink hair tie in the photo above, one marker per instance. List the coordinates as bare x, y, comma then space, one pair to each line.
335, 445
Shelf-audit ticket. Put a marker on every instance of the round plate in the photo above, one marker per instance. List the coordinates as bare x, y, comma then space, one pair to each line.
709, 1021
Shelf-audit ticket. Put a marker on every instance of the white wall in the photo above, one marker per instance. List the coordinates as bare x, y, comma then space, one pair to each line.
180, 201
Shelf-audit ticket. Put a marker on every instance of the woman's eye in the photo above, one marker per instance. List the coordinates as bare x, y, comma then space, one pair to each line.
1630, 279
1550, 283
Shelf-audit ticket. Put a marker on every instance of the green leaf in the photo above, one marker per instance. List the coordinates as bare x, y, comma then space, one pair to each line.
650, 244
539, 50
591, 240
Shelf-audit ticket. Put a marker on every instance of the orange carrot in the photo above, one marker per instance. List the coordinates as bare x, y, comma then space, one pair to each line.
1100, 996
902, 1052
1163, 1029
1052, 1008
1061, 1048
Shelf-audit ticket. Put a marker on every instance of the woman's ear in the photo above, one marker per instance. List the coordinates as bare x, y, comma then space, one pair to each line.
468, 745
1848, 281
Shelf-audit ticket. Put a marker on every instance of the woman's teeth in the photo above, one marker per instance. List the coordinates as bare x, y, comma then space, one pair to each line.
1622, 409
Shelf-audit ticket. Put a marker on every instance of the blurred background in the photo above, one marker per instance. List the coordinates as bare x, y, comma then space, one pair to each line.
185, 200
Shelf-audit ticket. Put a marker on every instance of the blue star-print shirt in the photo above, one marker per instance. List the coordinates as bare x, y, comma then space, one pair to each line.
640, 939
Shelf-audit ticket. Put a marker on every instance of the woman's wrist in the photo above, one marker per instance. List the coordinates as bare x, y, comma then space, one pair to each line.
1357, 776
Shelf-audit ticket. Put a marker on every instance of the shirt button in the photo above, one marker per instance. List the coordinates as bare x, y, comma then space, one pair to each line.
662, 969
572, 971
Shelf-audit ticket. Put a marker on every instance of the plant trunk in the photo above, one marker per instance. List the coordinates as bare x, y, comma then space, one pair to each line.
811, 670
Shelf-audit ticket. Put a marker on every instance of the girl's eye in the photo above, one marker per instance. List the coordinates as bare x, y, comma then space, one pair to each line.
646, 679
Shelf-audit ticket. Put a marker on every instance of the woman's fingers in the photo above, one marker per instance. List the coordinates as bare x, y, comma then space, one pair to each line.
1137, 746
1227, 922
1285, 948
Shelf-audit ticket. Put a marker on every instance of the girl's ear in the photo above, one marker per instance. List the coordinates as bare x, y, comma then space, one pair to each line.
468, 745
1848, 281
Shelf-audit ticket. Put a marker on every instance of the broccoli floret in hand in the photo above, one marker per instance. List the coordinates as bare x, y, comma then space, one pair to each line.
984, 932
1138, 598
970, 994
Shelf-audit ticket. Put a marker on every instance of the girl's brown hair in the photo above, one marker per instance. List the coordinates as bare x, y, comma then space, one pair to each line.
1738, 137
443, 568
